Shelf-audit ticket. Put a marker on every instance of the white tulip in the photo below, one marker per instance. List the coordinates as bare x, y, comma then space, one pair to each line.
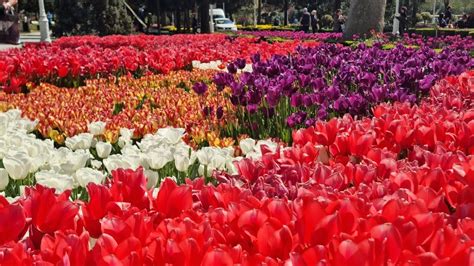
158, 160
123, 141
74, 161
97, 128
201, 170
27, 125
230, 168
81, 141
4, 180
4, 120
129, 149
205, 155
171, 135
14, 114
96, 164
84, 176
16, 140
54, 180
117, 161
181, 162
3, 148
218, 162
247, 145
126, 133
229, 151
17, 165
152, 178
103, 149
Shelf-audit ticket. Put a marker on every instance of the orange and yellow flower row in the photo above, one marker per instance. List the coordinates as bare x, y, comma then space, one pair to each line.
145, 105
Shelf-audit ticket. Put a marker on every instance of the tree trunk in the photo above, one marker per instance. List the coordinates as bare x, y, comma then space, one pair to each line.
285, 13
259, 11
413, 15
204, 11
365, 16
187, 21
178, 20
446, 4
337, 5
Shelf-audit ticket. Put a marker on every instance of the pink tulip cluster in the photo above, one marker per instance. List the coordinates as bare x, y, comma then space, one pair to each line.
70, 61
395, 189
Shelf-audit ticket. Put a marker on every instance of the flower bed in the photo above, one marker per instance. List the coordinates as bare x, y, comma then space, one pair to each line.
144, 105
70, 61
326, 81
293, 35
394, 188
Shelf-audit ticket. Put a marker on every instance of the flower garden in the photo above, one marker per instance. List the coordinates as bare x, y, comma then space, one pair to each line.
269, 148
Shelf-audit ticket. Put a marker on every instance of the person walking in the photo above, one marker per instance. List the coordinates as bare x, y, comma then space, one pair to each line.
339, 20
9, 24
314, 21
448, 15
25, 22
305, 20
402, 18
194, 24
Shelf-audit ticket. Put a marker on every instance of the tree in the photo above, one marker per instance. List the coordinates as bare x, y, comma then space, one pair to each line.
115, 19
204, 12
77, 22
446, 4
365, 16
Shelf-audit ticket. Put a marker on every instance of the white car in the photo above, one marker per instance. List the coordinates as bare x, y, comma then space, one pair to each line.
224, 24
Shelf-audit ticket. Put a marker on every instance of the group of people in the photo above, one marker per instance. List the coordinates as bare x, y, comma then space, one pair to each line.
312, 20
9, 24
446, 19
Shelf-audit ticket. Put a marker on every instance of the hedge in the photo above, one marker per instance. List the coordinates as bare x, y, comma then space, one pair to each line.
432, 32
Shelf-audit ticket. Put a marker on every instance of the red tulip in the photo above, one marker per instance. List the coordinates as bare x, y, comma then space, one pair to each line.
48, 212
172, 200
130, 186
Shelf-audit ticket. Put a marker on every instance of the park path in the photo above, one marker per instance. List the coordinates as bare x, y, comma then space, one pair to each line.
24, 38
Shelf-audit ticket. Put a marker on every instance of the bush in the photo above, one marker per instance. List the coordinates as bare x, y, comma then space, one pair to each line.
326, 21
73, 23
426, 16
102, 17
431, 32
266, 27
116, 19
419, 17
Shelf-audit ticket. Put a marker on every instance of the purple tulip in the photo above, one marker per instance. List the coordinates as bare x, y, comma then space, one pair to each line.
240, 63
252, 108
232, 68
207, 111
200, 88
219, 112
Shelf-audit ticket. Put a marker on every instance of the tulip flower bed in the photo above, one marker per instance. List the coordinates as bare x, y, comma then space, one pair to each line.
144, 105
318, 83
70, 61
393, 189
86, 158
452, 42
293, 35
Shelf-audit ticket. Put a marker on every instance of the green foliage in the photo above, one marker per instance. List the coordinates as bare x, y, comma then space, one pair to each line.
426, 16
115, 19
101, 17
419, 17
73, 23
326, 21
432, 32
